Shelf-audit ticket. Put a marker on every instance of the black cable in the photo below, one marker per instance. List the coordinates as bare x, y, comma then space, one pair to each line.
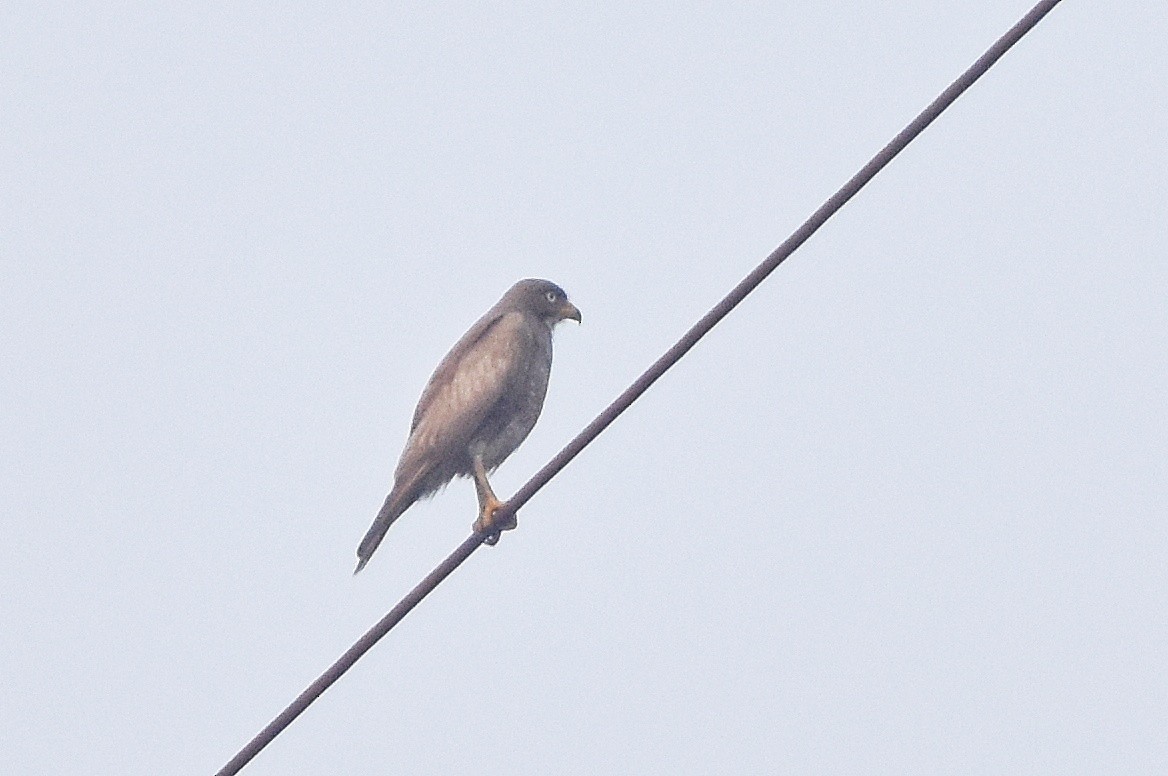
642, 383
352, 655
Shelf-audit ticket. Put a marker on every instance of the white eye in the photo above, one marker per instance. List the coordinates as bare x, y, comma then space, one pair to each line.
551, 296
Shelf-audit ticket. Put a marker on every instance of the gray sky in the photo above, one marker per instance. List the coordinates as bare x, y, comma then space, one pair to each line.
903, 512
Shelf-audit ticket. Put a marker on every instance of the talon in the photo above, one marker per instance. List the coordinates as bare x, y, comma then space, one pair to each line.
486, 522
489, 504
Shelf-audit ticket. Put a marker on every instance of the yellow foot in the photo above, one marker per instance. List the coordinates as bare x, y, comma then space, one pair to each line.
488, 524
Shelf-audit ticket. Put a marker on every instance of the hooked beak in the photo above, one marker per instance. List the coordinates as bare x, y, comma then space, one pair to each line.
569, 310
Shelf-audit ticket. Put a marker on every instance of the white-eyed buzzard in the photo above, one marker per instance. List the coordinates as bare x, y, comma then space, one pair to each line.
479, 406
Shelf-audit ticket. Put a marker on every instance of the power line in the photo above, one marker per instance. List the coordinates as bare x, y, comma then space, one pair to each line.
352, 655
642, 383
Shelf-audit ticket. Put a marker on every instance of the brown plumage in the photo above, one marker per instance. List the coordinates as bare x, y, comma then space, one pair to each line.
479, 406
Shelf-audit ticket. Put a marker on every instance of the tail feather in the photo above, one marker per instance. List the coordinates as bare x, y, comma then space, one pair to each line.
390, 511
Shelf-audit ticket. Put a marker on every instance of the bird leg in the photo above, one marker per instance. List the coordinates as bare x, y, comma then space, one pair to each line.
488, 505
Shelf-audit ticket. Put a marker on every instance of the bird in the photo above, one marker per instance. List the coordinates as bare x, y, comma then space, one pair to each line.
479, 405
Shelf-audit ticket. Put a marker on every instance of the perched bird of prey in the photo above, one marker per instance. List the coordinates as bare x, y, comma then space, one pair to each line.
480, 404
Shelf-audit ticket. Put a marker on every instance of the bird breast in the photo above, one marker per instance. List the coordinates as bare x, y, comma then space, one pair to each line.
513, 416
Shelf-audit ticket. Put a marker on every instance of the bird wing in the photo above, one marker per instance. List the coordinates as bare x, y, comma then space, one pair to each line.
471, 379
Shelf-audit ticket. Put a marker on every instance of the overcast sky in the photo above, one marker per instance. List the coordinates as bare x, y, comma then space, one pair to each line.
902, 512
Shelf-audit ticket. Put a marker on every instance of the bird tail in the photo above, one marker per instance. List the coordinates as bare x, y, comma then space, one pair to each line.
390, 511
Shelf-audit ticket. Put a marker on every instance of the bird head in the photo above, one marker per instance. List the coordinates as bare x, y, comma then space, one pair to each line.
544, 299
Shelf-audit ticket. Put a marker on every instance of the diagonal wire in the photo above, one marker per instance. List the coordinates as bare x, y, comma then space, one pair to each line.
642, 383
